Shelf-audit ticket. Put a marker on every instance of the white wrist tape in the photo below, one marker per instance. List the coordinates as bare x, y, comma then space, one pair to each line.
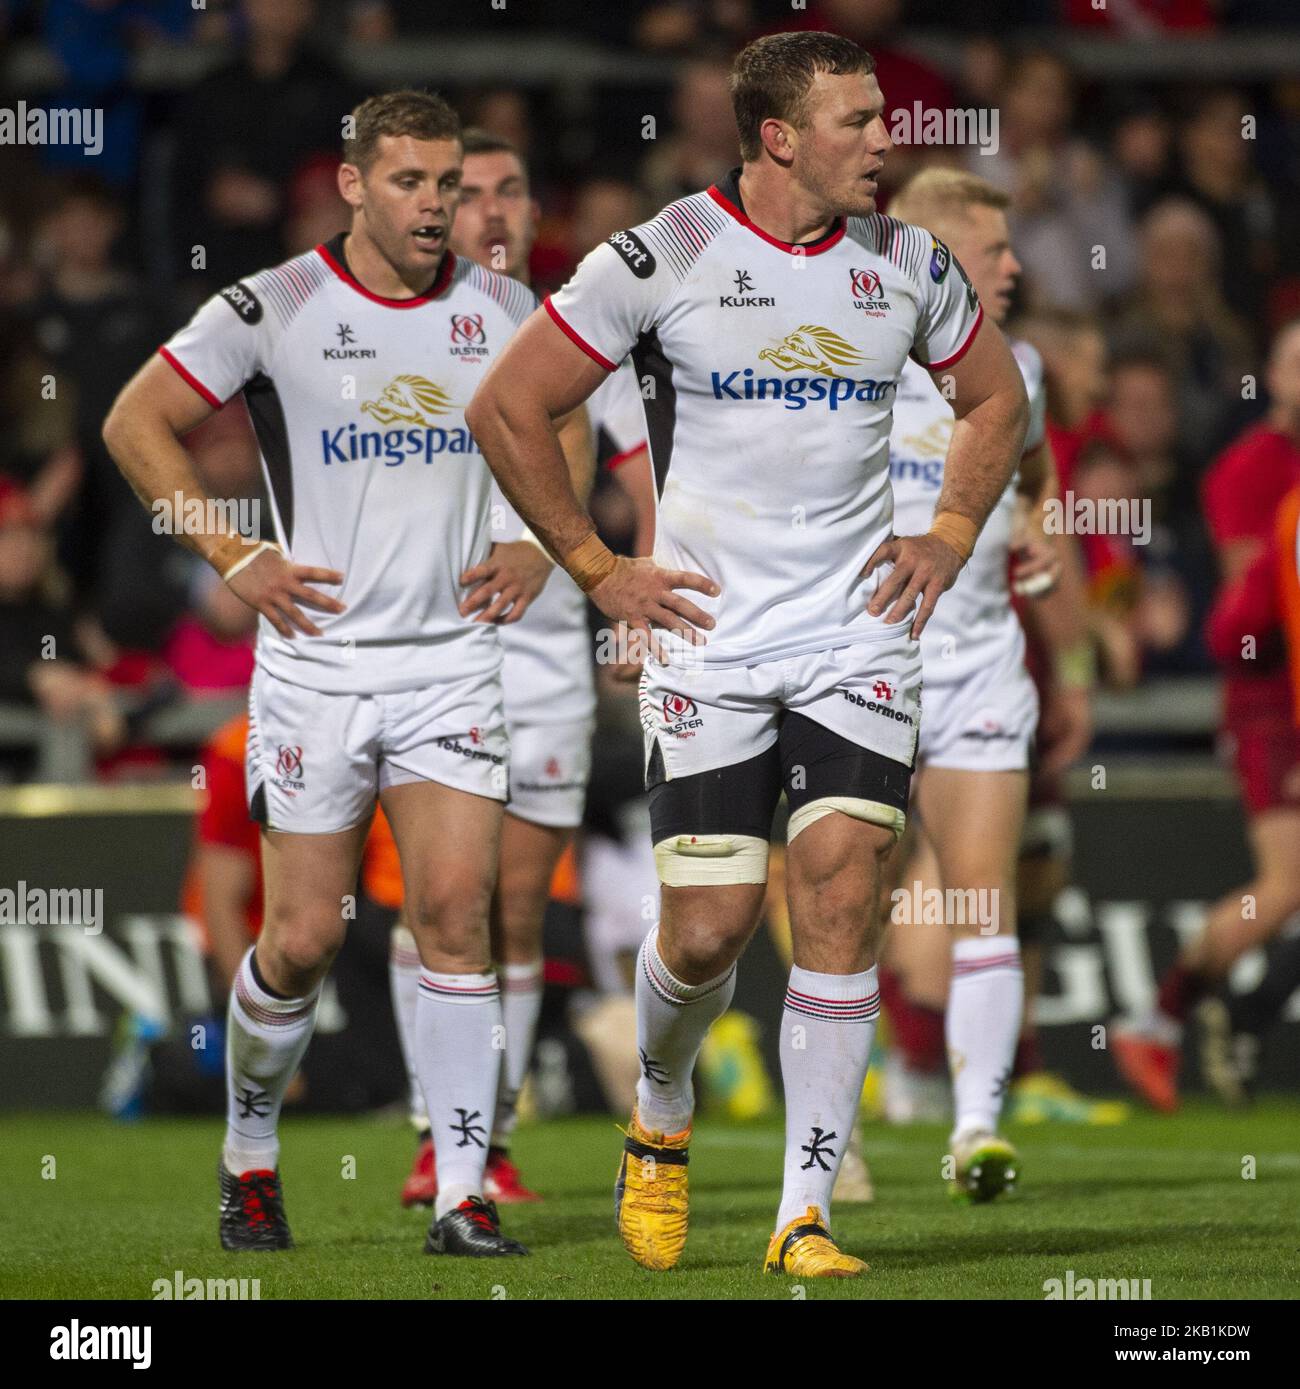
242, 564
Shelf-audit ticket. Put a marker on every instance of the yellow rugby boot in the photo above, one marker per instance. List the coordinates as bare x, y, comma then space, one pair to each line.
651, 1199
804, 1249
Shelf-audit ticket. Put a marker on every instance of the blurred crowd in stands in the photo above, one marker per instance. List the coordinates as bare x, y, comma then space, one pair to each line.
1158, 225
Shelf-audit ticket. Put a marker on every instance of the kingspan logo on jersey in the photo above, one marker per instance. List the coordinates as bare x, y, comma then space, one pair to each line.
413, 401
817, 354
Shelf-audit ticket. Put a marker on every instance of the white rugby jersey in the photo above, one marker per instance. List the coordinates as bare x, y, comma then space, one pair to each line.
358, 403
547, 675
974, 622
774, 369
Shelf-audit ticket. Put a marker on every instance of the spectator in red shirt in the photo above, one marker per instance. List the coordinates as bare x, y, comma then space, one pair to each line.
1242, 493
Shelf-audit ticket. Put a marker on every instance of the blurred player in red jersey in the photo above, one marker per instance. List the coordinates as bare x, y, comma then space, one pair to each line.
222, 892
1233, 1030
1243, 492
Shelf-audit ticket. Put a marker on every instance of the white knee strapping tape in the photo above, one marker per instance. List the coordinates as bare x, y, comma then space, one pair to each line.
699, 860
873, 812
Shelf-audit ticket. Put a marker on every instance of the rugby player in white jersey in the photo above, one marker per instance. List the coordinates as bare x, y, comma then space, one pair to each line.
550, 695
981, 708
369, 679
773, 315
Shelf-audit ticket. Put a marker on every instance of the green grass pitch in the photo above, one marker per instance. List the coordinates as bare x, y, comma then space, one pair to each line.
1169, 1199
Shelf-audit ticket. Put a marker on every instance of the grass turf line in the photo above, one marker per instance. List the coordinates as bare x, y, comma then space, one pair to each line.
1159, 1197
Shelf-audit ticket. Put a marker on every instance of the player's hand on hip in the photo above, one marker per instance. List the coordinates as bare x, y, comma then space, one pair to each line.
640, 593
504, 586
275, 587
924, 567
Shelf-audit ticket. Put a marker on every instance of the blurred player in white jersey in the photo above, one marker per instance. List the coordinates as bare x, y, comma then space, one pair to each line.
550, 697
773, 315
351, 360
981, 708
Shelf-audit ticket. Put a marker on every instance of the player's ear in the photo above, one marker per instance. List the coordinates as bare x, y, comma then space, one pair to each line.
777, 139
349, 177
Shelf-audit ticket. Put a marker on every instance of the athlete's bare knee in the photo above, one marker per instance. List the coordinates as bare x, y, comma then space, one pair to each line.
521, 910
699, 944
452, 924
296, 951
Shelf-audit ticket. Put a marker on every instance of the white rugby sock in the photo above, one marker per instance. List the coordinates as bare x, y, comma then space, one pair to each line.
266, 1037
456, 1017
404, 985
985, 1002
521, 1004
827, 1028
672, 1020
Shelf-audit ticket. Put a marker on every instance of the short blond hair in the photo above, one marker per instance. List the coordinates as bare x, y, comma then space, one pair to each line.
938, 199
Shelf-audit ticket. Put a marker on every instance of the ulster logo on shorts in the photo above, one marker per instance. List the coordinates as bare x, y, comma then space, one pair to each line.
288, 768
289, 761
681, 716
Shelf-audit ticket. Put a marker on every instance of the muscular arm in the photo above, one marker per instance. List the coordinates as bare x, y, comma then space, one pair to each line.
987, 394
579, 449
143, 435
1060, 617
506, 584
538, 378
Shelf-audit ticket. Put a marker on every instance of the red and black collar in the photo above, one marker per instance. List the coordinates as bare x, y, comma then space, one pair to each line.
331, 252
727, 195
